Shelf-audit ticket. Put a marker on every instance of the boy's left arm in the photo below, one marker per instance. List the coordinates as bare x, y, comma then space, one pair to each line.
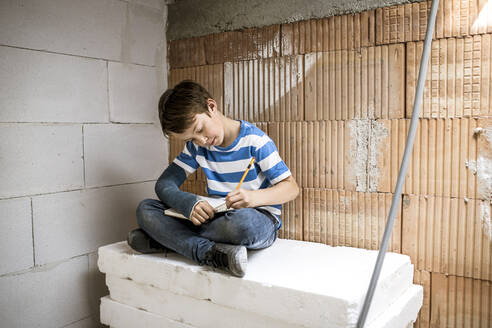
282, 192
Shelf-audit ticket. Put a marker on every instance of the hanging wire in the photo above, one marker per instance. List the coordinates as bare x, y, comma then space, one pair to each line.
404, 165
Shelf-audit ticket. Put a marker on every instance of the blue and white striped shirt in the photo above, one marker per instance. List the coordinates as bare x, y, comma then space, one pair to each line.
224, 166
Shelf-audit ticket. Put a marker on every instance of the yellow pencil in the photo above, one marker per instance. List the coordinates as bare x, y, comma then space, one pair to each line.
245, 172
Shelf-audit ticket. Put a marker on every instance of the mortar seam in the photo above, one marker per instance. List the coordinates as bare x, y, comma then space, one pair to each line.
78, 189
32, 232
83, 157
72, 55
107, 92
84, 318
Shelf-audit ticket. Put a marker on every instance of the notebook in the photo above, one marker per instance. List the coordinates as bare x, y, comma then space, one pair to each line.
219, 205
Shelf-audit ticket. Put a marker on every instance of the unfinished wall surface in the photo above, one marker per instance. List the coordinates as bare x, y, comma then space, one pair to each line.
190, 18
336, 95
79, 147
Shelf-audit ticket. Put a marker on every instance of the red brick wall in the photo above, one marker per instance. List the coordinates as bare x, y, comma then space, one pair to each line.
336, 96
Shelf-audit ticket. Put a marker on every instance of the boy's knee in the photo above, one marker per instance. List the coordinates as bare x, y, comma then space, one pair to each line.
239, 227
143, 211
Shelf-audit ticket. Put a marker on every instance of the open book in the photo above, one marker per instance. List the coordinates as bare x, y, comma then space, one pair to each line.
219, 205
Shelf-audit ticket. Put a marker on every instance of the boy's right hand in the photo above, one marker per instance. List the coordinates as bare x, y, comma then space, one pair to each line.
202, 212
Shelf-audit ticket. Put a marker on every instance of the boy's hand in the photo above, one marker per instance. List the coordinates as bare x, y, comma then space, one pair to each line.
241, 198
202, 212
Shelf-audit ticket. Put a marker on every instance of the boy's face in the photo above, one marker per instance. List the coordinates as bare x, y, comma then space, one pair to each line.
206, 130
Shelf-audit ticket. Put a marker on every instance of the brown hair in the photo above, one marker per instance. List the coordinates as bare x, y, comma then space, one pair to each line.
179, 105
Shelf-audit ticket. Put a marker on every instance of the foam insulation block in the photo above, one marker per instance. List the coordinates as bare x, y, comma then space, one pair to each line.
403, 312
117, 315
302, 283
196, 312
400, 314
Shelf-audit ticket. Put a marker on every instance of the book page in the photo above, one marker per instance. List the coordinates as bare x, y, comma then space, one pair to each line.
218, 204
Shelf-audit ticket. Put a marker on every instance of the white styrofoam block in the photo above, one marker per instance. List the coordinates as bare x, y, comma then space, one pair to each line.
123, 153
73, 223
402, 313
97, 286
47, 87
119, 315
92, 28
133, 93
53, 295
40, 158
323, 287
205, 314
15, 235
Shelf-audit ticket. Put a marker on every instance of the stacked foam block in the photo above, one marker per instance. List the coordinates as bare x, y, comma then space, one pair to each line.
290, 284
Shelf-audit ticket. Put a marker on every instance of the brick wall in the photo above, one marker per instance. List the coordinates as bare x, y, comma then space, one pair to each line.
79, 147
336, 95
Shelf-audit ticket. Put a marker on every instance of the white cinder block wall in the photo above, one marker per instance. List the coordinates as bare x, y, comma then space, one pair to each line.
80, 146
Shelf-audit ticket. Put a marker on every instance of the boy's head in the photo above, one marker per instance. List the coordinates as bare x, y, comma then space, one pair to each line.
185, 108
178, 106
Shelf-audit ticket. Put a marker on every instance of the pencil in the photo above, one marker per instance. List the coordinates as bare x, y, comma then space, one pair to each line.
245, 172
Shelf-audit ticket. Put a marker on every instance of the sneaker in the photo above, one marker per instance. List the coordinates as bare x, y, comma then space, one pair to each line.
232, 258
140, 241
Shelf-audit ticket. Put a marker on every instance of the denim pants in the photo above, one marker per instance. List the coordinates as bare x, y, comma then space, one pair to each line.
250, 227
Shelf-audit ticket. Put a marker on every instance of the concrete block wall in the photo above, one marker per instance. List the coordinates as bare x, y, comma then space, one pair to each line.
80, 146
336, 96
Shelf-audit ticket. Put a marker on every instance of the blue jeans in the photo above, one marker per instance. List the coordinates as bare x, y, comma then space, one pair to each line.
250, 227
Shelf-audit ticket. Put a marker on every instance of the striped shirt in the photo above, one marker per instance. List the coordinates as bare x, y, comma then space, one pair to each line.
224, 166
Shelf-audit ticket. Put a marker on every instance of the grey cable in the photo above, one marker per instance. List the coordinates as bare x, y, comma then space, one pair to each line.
404, 165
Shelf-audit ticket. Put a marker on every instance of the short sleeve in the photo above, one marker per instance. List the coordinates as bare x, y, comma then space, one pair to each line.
187, 158
268, 158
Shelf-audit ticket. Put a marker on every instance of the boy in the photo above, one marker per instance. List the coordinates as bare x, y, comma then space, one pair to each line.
223, 147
